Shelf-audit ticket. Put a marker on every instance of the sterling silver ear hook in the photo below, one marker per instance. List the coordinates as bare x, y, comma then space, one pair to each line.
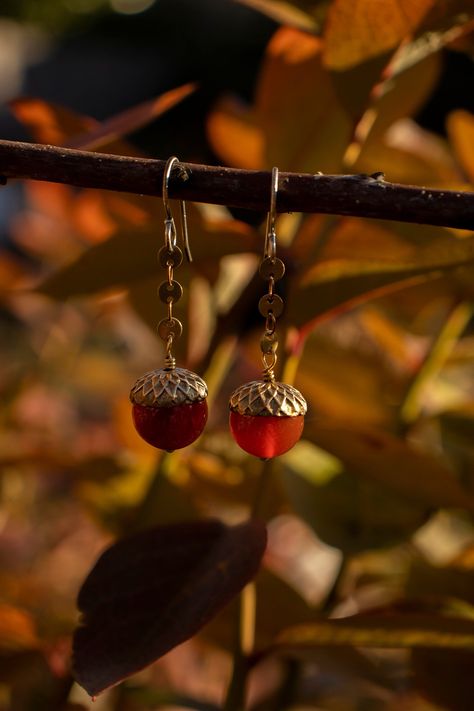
170, 227
270, 238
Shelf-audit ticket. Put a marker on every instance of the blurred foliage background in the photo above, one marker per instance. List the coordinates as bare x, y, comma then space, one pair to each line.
371, 514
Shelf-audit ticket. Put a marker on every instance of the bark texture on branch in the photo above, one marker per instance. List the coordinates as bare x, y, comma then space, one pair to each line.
357, 195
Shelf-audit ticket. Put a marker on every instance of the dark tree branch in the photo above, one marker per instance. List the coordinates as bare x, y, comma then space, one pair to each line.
358, 195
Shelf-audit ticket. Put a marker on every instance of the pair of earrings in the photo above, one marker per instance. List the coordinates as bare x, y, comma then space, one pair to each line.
169, 404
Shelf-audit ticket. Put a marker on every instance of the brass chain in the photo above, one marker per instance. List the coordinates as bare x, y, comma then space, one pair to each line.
170, 291
271, 307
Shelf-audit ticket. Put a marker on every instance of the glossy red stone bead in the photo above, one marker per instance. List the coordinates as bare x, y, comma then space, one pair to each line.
265, 436
170, 428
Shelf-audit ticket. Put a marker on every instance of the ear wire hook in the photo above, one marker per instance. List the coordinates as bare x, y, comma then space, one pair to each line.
170, 227
270, 239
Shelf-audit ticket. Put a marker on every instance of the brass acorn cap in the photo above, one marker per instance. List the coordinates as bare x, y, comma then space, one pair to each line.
268, 398
166, 387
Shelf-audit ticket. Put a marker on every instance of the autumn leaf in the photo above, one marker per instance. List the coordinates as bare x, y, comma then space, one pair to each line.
51, 123
305, 126
359, 29
48, 122
235, 135
130, 256
284, 12
383, 630
150, 592
381, 457
17, 629
460, 125
363, 260
348, 511
130, 120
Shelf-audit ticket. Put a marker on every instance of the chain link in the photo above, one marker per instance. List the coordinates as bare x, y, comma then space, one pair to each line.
169, 292
271, 270
270, 306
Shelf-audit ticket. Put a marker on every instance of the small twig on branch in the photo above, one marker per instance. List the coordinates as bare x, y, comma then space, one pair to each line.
357, 195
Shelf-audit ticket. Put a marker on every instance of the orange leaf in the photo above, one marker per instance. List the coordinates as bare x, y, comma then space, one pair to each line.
305, 125
50, 123
91, 217
235, 137
130, 120
460, 125
17, 629
359, 29
57, 125
11, 272
284, 12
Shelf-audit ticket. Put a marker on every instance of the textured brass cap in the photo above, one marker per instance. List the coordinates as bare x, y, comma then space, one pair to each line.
166, 387
268, 398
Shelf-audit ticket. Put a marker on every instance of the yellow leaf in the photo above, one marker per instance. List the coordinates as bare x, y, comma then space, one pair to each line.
359, 29
402, 94
383, 630
363, 260
410, 165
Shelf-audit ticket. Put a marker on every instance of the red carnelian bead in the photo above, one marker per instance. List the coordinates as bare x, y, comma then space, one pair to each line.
172, 427
265, 436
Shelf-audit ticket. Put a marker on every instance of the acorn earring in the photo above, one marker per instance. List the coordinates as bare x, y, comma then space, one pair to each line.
169, 404
267, 417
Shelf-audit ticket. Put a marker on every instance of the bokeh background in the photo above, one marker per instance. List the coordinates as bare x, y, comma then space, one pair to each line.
372, 512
